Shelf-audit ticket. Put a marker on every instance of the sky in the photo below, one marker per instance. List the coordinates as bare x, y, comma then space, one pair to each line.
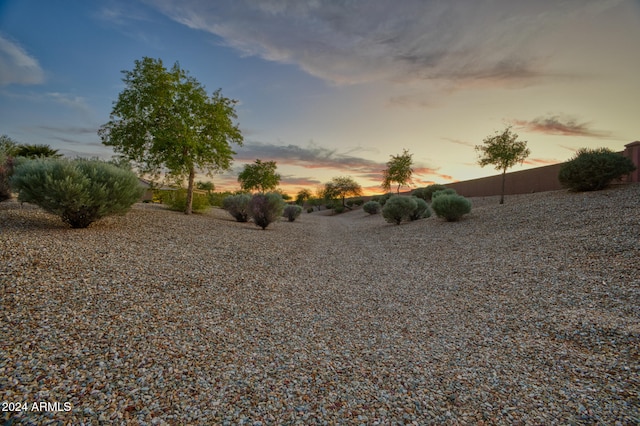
332, 88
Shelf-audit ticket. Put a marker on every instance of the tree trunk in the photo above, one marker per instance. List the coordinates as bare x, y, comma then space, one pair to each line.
398, 190
504, 175
192, 176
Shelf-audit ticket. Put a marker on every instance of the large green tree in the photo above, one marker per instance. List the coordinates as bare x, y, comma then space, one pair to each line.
398, 170
260, 175
502, 150
165, 121
341, 187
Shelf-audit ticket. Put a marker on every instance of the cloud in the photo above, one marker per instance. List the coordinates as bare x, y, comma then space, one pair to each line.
459, 142
75, 130
316, 157
75, 102
560, 125
539, 162
311, 157
373, 40
16, 66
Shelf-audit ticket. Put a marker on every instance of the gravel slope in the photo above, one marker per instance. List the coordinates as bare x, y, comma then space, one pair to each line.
525, 313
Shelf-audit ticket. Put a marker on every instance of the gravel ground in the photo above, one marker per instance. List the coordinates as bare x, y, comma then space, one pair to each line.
525, 313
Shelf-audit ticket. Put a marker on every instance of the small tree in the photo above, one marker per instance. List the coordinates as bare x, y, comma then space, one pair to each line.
205, 186
266, 208
260, 176
79, 191
398, 170
594, 169
165, 120
302, 196
504, 151
340, 188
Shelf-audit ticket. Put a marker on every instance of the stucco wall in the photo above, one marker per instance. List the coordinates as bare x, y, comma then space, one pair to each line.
533, 180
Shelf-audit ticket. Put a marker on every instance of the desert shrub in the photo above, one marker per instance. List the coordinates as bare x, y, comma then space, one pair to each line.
450, 206
446, 191
399, 208
217, 198
177, 200
237, 206
309, 209
338, 208
358, 201
349, 203
382, 199
594, 169
79, 191
266, 208
372, 207
291, 212
6, 169
427, 192
421, 211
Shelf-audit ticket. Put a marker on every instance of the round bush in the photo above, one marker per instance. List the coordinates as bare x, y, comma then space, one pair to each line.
427, 192
421, 211
399, 208
372, 207
79, 191
266, 208
291, 212
237, 206
450, 207
446, 191
594, 169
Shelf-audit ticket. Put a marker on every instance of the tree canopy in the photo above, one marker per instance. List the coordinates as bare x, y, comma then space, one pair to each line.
260, 176
398, 170
503, 150
165, 121
341, 187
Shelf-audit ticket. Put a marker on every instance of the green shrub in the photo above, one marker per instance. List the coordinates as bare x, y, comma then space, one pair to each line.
421, 211
217, 198
338, 208
594, 169
6, 170
237, 206
291, 212
358, 201
266, 208
177, 201
450, 206
427, 192
79, 191
446, 191
309, 209
382, 199
399, 208
372, 207
349, 203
